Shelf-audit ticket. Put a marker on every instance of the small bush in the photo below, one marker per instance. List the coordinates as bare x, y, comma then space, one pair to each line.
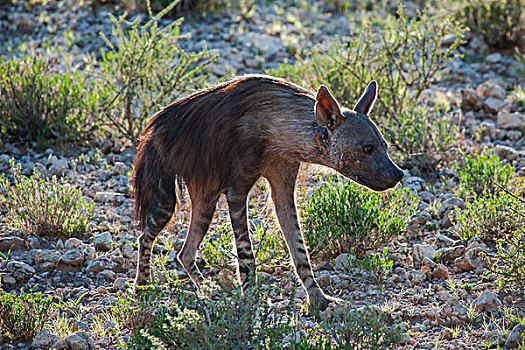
351, 329
509, 262
500, 22
216, 319
39, 104
43, 206
489, 216
376, 265
346, 217
144, 68
481, 173
404, 57
22, 316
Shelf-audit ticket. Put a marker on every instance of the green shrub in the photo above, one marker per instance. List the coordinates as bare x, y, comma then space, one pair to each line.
144, 68
37, 103
500, 22
22, 316
404, 57
43, 206
488, 217
217, 248
347, 217
377, 266
215, 318
509, 261
351, 329
481, 173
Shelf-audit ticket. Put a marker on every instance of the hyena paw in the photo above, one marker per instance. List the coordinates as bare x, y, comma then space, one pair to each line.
141, 280
321, 301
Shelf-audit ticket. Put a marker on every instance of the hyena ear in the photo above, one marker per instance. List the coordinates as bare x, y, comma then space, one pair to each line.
327, 110
367, 99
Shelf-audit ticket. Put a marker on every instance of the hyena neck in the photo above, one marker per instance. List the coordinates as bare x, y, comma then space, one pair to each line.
318, 143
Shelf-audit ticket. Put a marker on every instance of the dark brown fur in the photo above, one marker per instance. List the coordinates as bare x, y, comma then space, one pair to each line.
223, 139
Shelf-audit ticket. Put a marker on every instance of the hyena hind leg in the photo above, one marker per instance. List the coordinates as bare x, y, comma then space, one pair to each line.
159, 216
246, 260
201, 216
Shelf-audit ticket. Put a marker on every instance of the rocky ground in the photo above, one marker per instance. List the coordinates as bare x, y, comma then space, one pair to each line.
439, 302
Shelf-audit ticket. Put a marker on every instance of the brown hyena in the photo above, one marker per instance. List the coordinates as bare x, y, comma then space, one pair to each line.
223, 139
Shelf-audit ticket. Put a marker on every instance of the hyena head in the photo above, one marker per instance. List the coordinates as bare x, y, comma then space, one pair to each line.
356, 148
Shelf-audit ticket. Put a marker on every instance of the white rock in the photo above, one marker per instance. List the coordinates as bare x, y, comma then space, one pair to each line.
421, 251
103, 241
73, 243
59, 166
77, 341
488, 301
491, 89
511, 121
453, 313
127, 250
495, 105
493, 58
515, 337
44, 340
21, 271
343, 261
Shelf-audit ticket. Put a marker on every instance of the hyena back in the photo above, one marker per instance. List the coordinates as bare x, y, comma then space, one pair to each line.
223, 139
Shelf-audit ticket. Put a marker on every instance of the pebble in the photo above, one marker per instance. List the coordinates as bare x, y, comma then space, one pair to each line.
421, 251
488, 301
515, 337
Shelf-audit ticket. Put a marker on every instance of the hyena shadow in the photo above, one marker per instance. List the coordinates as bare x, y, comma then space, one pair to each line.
224, 139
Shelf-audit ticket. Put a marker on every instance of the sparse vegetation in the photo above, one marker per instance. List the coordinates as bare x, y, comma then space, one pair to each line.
341, 217
352, 328
42, 104
45, 207
215, 318
144, 68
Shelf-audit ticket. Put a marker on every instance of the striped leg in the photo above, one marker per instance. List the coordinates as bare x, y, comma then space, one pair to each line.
201, 216
237, 206
282, 181
160, 214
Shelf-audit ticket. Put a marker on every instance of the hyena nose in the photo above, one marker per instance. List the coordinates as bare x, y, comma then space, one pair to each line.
398, 174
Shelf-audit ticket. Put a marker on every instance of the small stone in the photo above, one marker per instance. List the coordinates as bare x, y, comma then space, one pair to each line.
8, 279
511, 121
71, 258
453, 313
127, 250
44, 340
448, 255
77, 341
441, 272
471, 100
12, 243
420, 251
491, 89
494, 58
488, 301
473, 260
73, 243
417, 277
495, 105
120, 283
324, 279
21, 271
103, 241
443, 295
515, 337
506, 152
343, 261
59, 166
450, 204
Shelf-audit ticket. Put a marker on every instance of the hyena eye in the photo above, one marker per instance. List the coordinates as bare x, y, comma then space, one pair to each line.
368, 149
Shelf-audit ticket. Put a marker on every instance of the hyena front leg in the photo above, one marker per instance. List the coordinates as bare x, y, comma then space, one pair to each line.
159, 215
237, 205
202, 209
282, 178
